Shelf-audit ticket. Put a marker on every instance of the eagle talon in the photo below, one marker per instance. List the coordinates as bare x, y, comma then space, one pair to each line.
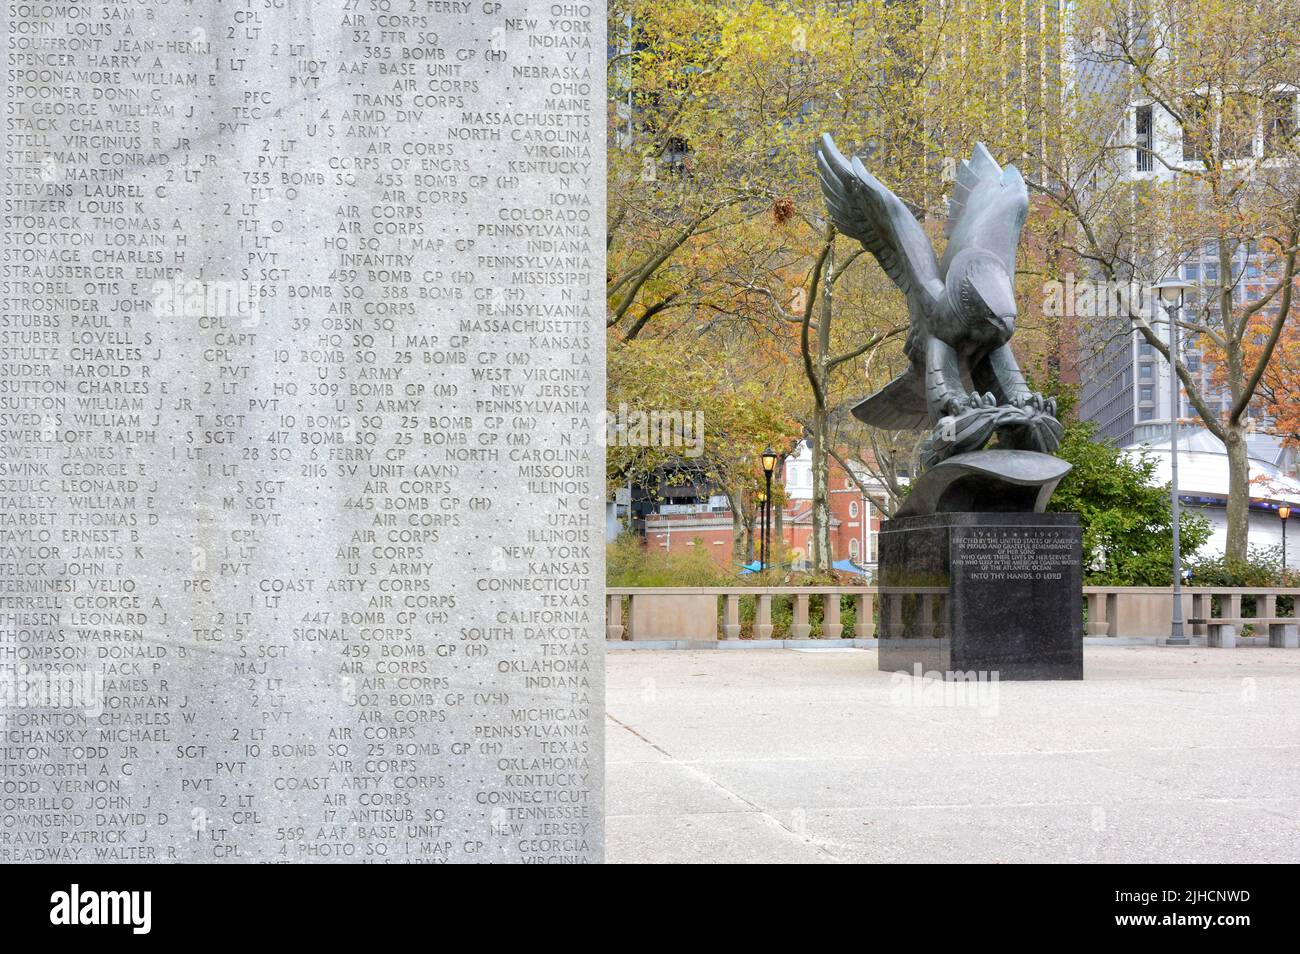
1033, 401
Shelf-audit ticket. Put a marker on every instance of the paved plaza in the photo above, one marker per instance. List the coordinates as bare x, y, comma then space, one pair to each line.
1160, 754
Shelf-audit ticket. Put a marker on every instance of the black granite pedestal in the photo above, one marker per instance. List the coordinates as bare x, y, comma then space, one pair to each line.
982, 592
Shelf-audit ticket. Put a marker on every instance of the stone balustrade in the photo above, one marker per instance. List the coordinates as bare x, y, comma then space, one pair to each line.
1146, 610
692, 613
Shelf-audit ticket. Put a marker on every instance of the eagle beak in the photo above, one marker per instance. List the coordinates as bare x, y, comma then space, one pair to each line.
994, 289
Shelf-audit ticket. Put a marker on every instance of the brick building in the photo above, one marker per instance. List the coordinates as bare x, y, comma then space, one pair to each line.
707, 520
855, 517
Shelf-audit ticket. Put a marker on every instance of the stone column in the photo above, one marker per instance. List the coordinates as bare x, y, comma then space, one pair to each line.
832, 628
613, 616
731, 616
891, 615
800, 628
1200, 610
864, 624
763, 618
926, 612
1096, 614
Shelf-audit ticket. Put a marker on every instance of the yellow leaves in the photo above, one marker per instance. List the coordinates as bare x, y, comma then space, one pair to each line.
748, 86
720, 387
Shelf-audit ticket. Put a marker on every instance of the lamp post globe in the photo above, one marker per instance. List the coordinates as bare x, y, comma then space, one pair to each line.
1171, 290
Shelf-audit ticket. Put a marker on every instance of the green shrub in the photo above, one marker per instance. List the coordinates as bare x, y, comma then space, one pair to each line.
783, 616
1126, 522
1262, 567
629, 562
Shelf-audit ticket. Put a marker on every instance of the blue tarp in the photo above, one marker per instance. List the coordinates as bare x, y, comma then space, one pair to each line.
848, 566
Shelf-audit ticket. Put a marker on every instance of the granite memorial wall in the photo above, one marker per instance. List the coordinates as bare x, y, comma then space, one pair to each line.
301, 519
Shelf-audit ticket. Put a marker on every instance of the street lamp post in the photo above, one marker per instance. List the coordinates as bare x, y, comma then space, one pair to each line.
769, 465
1284, 512
1171, 291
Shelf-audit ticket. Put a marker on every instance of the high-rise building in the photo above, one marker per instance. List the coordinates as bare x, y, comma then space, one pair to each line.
1125, 381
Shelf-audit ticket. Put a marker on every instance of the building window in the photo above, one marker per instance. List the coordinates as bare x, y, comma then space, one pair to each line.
1144, 371
853, 511
675, 155
1147, 393
855, 549
1196, 128
1147, 414
1145, 139
1239, 120
1279, 124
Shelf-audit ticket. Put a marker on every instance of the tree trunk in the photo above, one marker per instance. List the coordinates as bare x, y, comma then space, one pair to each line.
737, 536
821, 508
1238, 493
821, 511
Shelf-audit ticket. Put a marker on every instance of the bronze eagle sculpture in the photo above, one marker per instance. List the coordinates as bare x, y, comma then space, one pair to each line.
963, 380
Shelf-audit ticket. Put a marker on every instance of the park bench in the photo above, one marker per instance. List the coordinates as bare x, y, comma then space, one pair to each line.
1222, 632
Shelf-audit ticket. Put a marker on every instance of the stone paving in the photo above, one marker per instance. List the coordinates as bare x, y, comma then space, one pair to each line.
1159, 755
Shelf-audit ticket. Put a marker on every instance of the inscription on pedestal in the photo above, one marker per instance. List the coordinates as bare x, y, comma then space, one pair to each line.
1002, 555
993, 593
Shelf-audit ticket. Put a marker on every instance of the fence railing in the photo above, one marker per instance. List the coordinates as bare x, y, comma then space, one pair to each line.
1147, 611
692, 613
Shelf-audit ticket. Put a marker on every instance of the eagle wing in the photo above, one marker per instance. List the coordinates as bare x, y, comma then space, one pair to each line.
864, 209
898, 406
987, 209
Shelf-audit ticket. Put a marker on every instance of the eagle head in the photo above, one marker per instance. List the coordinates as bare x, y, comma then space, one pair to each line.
981, 294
